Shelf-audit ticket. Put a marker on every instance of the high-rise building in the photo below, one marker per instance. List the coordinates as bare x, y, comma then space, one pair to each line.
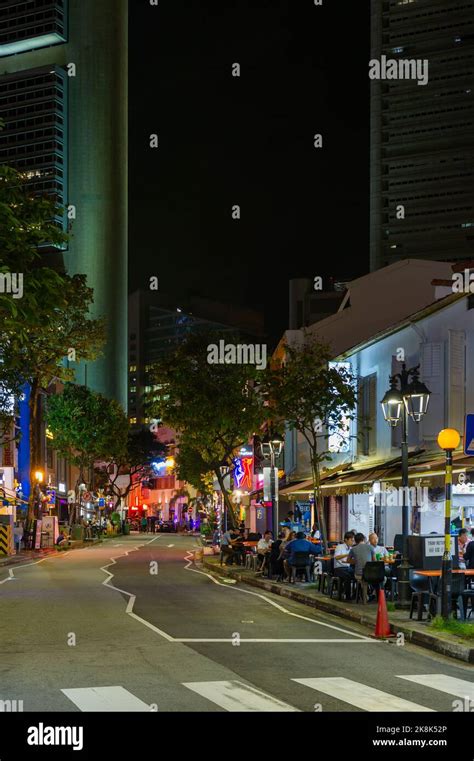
63, 100
157, 324
422, 135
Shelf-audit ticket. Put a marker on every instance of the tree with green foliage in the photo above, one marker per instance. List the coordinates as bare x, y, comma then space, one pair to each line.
214, 408
315, 398
86, 428
49, 327
135, 460
191, 467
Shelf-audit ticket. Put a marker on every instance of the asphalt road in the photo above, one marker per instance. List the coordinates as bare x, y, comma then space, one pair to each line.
134, 625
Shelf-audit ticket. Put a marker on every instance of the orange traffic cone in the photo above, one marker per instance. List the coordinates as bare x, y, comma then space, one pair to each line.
382, 626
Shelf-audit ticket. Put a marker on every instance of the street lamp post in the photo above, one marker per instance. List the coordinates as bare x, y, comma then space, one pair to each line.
448, 439
404, 398
271, 449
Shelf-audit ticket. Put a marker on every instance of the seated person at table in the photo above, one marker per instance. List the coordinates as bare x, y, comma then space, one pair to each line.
342, 568
300, 544
360, 554
381, 552
263, 547
463, 544
315, 532
469, 556
274, 556
238, 546
227, 541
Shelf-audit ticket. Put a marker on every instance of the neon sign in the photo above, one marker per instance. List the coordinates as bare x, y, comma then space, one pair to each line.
243, 467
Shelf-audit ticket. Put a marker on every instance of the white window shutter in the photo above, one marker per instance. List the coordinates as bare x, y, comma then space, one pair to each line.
432, 374
456, 379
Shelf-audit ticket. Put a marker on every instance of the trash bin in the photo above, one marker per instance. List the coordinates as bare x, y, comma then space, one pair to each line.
126, 528
77, 533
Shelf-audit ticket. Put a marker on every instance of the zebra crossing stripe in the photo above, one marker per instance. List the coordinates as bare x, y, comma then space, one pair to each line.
105, 699
360, 695
461, 688
236, 696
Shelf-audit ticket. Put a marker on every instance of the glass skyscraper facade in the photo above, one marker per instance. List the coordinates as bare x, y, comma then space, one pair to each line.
422, 136
63, 100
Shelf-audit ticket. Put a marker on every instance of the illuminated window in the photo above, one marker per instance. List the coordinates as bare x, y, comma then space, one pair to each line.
34, 138
132, 420
133, 368
133, 389
32, 25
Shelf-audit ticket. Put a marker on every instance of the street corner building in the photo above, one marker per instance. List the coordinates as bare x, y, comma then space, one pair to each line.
64, 103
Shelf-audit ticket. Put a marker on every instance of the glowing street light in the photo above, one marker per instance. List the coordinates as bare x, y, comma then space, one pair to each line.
449, 440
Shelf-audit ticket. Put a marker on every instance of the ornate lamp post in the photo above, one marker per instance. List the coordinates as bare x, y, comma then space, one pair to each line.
405, 397
448, 439
272, 447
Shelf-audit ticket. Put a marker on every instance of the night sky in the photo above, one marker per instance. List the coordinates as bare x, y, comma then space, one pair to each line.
248, 141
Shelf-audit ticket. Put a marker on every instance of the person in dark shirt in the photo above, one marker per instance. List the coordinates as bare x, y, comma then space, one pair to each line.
300, 544
239, 548
469, 556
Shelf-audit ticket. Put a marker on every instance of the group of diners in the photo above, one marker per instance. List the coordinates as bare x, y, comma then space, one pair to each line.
277, 556
352, 555
289, 551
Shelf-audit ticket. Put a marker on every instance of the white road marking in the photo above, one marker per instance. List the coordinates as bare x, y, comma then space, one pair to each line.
11, 576
279, 607
170, 545
105, 699
361, 696
254, 640
132, 598
356, 638
236, 696
450, 684
58, 556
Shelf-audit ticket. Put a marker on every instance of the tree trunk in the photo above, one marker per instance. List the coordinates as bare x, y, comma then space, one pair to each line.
227, 502
319, 504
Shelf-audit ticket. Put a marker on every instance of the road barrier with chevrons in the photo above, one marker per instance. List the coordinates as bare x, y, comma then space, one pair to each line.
6, 540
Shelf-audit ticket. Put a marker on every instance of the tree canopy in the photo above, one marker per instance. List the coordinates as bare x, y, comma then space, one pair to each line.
215, 408
316, 397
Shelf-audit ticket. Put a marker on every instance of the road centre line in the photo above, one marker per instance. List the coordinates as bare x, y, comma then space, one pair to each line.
361, 637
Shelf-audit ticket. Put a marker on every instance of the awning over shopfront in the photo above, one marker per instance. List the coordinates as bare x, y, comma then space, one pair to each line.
423, 467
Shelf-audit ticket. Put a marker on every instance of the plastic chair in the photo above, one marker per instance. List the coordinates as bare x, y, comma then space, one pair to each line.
464, 597
458, 597
374, 572
323, 577
301, 560
422, 594
335, 582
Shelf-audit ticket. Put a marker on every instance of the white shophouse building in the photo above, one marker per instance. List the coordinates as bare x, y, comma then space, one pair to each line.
438, 334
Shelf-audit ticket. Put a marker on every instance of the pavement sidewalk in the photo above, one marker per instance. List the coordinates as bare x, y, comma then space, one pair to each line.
417, 632
27, 556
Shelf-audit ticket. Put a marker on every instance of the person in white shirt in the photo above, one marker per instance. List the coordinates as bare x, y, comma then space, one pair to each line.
381, 551
263, 547
342, 568
342, 551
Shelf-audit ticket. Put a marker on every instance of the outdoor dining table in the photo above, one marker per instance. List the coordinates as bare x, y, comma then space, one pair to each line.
437, 574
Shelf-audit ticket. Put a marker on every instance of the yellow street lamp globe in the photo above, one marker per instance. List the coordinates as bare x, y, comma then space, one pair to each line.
448, 438
39, 475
